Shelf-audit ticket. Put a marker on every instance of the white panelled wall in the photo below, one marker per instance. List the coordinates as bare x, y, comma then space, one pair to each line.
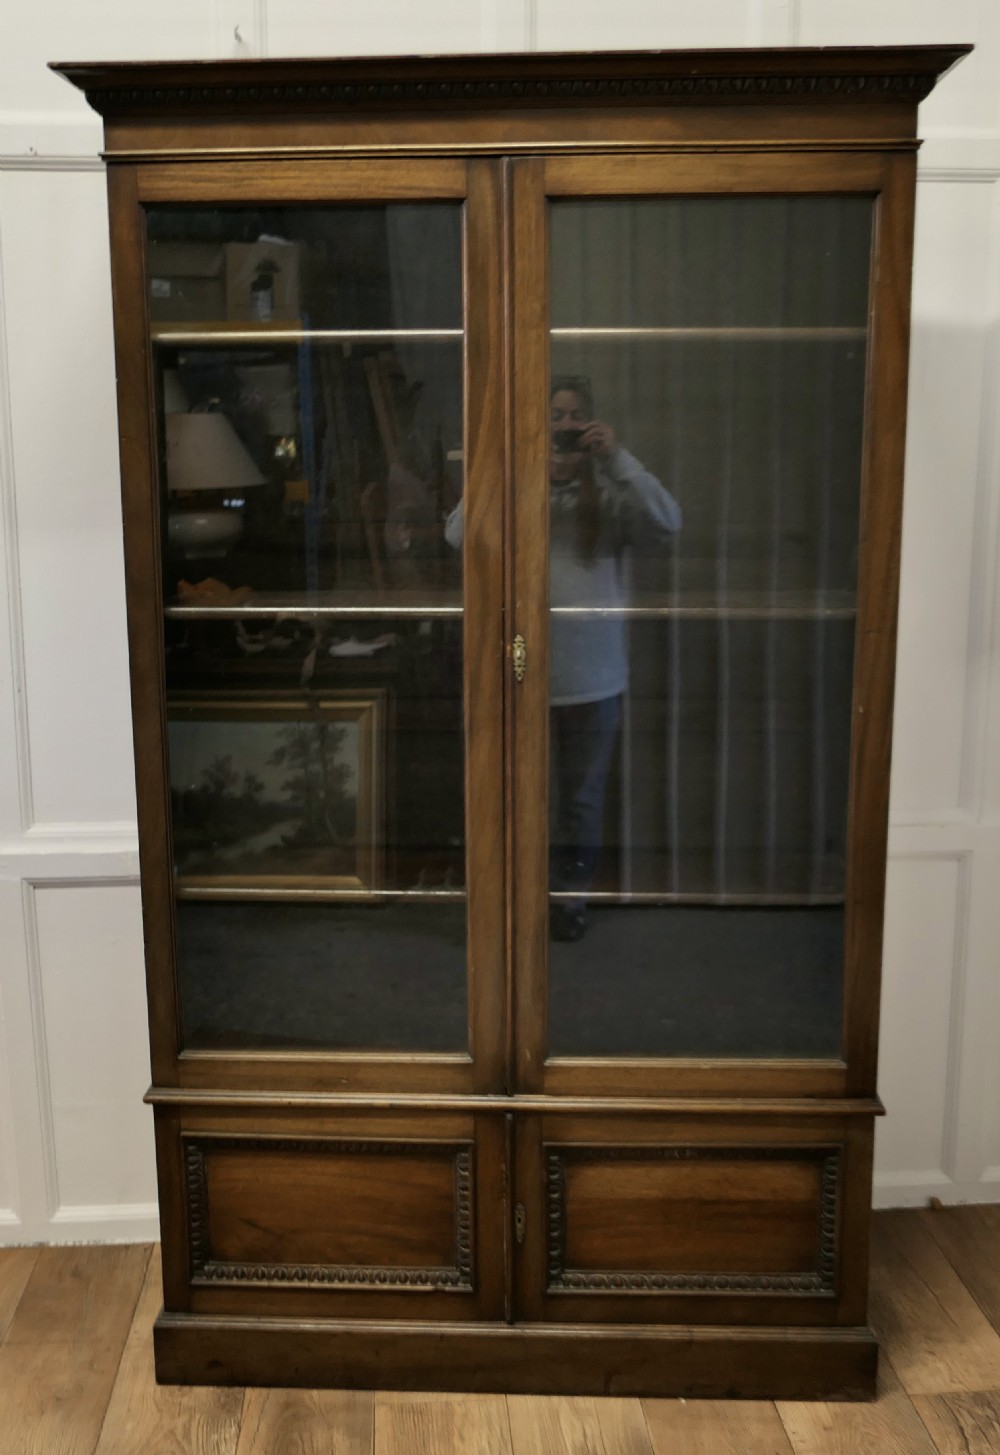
76, 1159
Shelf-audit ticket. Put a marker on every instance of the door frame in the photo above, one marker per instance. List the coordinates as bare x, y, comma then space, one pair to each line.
888, 177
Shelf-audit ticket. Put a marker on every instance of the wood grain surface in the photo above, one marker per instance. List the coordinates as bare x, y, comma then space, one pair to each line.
63, 1348
936, 1335
307, 1422
144, 1415
16, 1267
715, 1427
961, 1424
555, 1426
969, 1237
888, 1426
76, 1377
444, 1424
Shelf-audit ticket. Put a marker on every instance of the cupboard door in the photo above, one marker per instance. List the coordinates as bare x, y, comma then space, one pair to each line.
334, 1215
325, 529
694, 440
692, 1221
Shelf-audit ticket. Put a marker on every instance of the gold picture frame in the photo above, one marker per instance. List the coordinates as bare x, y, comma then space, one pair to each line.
277, 796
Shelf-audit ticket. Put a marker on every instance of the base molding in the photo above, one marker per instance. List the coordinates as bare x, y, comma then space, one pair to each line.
694, 1362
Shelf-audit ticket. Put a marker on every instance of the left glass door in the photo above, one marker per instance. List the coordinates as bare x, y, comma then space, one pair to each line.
313, 440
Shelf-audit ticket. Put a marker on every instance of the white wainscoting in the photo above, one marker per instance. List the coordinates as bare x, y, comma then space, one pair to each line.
75, 1140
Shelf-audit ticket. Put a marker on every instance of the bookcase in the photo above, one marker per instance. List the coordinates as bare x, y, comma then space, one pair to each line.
512, 455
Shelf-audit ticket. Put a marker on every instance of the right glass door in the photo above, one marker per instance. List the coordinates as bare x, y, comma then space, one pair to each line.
705, 419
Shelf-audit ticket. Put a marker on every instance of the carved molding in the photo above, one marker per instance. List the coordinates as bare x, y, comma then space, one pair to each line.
207, 1270
585, 90
562, 1280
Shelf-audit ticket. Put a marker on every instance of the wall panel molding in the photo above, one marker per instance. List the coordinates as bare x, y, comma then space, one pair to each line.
980, 661
49, 163
9, 1176
137, 1222
49, 1190
950, 1140
15, 761
915, 1189
94, 855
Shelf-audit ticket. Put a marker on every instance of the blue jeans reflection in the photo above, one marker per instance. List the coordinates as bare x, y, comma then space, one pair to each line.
582, 739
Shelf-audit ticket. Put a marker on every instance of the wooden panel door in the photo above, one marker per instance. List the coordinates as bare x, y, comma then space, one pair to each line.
750, 1220
347, 1214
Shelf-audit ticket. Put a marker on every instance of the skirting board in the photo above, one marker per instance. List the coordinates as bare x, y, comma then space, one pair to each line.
126, 1223
699, 1363
914, 1190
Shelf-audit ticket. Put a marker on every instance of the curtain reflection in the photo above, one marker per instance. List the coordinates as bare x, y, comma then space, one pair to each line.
724, 340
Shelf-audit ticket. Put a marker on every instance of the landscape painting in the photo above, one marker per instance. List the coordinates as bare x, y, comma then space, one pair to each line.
278, 794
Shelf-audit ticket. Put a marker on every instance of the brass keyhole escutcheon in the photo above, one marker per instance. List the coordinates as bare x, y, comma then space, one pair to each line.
519, 656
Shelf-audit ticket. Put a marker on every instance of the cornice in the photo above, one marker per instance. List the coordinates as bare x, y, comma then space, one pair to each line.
460, 83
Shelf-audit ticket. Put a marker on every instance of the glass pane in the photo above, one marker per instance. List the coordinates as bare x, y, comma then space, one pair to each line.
706, 409
309, 384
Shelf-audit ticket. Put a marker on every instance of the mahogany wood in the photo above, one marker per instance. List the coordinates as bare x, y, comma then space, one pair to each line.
529, 530
878, 597
695, 1363
698, 129
484, 625
845, 75
305, 180
140, 511
494, 1220
766, 1189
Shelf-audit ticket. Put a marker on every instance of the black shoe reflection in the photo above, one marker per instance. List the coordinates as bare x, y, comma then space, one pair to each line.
567, 923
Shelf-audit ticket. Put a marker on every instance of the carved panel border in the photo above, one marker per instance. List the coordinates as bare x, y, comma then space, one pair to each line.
207, 1270
563, 1280
360, 94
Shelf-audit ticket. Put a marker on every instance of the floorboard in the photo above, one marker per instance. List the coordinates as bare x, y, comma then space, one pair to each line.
930, 1326
76, 1375
623, 1427
446, 1424
64, 1347
888, 1425
554, 1425
145, 1416
969, 1237
715, 1427
308, 1422
961, 1424
16, 1267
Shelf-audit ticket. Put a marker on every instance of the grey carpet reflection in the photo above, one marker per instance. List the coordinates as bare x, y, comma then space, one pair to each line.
322, 976
686, 981
650, 981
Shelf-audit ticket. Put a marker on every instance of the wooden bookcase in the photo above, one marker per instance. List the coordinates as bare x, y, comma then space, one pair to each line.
512, 456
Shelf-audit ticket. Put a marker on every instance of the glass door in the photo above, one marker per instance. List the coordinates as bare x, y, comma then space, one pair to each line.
688, 487
323, 413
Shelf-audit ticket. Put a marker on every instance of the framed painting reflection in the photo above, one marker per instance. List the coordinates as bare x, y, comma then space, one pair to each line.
280, 795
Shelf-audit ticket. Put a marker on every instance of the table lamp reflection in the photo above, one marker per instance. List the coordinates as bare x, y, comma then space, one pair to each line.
209, 469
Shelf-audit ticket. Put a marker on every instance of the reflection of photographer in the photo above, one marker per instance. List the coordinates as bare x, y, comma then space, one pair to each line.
601, 496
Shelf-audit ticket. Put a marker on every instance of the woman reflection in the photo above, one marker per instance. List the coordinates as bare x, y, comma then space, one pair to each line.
601, 499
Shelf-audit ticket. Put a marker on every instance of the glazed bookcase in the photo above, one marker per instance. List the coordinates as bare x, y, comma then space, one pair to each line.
512, 812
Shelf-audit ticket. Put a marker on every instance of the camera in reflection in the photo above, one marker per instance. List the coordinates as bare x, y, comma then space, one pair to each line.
567, 441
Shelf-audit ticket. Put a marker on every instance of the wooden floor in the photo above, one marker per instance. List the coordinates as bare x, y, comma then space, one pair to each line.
76, 1375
